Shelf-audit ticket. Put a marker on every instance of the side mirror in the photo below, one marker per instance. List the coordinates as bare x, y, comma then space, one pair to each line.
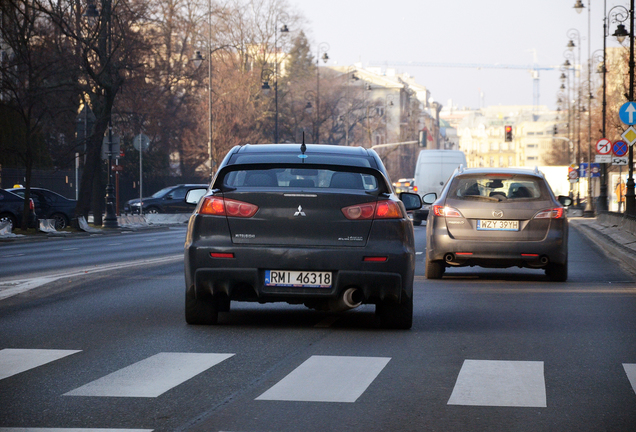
411, 201
565, 200
194, 195
429, 198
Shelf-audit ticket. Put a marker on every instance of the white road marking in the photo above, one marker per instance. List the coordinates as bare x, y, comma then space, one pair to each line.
14, 360
500, 383
18, 286
37, 429
151, 377
419, 253
327, 379
630, 370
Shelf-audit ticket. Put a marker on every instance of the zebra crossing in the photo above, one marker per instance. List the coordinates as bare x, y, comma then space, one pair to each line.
343, 379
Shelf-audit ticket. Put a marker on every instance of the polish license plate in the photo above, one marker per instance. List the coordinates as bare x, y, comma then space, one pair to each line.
303, 279
497, 225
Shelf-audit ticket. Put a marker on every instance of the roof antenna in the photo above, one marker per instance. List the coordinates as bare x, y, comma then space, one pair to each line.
303, 147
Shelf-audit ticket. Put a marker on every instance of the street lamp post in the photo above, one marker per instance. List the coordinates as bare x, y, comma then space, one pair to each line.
284, 29
621, 34
322, 49
589, 207
574, 34
91, 14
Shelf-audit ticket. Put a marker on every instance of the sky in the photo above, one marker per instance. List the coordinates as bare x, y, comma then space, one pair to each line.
456, 32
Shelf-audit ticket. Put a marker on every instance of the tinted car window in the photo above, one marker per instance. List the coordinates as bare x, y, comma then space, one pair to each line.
309, 158
510, 187
300, 178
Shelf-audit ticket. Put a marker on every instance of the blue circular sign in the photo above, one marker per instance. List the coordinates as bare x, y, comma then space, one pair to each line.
627, 113
619, 148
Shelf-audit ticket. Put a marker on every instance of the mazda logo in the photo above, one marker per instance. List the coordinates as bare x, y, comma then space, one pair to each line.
497, 213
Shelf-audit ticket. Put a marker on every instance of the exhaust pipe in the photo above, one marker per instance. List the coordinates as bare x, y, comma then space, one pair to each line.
449, 258
351, 298
544, 260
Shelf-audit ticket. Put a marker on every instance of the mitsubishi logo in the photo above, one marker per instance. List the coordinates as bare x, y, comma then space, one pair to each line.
300, 212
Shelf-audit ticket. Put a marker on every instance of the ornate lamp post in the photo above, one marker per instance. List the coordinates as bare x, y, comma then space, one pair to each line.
322, 49
92, 15
621, 33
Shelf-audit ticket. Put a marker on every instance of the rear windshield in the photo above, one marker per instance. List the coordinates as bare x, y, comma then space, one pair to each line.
326, 159
498, 187
300, 178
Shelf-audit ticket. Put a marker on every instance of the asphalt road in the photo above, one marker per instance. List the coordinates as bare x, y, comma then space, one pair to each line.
490, 350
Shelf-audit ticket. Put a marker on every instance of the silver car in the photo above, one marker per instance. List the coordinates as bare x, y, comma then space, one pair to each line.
497, 218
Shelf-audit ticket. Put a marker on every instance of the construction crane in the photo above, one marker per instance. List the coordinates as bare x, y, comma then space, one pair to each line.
533, 69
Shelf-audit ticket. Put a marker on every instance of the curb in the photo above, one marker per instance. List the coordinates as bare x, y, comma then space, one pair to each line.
623, 256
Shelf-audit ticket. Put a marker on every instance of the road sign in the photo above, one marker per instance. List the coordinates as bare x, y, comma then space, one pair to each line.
619, 148
623, 160
573, 175
602, 158
629, 135
117, 168
627, 113
603, 146
596, 170
141, 141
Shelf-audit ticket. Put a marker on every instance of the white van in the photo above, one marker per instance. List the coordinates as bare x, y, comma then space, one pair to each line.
432, 170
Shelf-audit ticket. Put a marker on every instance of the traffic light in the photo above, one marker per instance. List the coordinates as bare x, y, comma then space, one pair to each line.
423, 138
555, 131
508, 133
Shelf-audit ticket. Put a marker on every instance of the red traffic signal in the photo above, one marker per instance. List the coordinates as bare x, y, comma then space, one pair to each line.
508, 133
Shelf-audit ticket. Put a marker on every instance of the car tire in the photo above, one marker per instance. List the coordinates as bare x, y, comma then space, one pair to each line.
434, 269
6, 217
152, 210
557, 272
396, 315
60, 221
200, 311
417, 222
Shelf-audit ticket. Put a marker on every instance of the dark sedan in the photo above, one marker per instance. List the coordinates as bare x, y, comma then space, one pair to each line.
11, 210
495, 217
316, 225
51, 205
167, 200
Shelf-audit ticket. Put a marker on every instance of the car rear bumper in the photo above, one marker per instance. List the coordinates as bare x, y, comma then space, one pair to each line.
535, 254
243, 277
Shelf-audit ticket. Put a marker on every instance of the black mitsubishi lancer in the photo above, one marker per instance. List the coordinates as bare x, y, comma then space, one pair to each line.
317, 225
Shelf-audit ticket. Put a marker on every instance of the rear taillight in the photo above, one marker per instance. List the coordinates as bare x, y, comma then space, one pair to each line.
381, 210
554, 213
31, 204
217, 206
440, 210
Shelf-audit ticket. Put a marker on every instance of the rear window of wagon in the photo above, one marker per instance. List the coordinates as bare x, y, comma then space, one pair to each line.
503, 187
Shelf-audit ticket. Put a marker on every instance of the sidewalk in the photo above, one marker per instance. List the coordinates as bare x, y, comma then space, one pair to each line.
614, 233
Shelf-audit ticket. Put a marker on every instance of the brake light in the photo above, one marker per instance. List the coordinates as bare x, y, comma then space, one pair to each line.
217, 206
440, 210
414, 188
381, 210
555, 213
31, 204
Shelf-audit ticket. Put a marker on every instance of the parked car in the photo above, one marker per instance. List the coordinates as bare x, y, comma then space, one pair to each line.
405, 185
317, 225
50, 205
494, 217
432, 169
12, 207
167, 200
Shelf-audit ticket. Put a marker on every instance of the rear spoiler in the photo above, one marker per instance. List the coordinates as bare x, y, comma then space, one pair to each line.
383, 182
